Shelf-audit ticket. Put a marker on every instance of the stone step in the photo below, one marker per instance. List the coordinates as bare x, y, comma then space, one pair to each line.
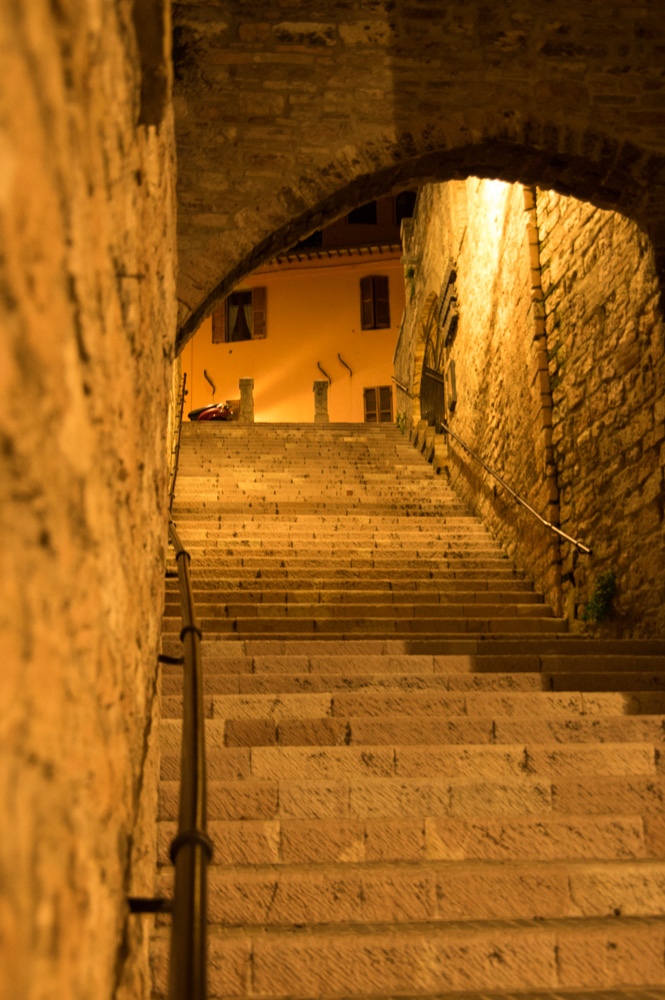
431, 891
418, 798
452, 559
312, 525
412, 707
388, 610
471, 653
595, 681
266, 592
442, 838
432, 959
431, 730
232, 675
286, 626
547, 760
261, 503
463, 655
284, 470
238, 678
416, 577
426, 548
372, 731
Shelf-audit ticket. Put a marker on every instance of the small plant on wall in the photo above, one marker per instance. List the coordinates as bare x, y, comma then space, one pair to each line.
400, 420
411, 278
597, 609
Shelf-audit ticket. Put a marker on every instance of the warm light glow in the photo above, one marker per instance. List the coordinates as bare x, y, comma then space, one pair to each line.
312, 315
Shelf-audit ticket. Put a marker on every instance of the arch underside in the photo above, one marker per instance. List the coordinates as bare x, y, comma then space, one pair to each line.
284, 126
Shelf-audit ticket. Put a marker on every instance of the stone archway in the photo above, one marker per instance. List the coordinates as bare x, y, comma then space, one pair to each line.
284, 123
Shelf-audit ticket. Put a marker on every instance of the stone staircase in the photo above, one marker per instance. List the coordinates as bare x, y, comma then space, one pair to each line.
419, 784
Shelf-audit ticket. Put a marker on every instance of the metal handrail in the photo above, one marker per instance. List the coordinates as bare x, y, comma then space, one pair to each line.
548, 524
404, 389
175, 447
342, 361
191, 849
318, 365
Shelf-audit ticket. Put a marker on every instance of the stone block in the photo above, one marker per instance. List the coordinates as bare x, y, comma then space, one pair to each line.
250, 732
313, 799
511, 892
394, 798
312, 732
305, 841
250, 842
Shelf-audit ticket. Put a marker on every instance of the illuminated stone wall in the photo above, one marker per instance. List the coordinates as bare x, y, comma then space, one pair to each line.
483, 226
606, 344
87, 317
560, 381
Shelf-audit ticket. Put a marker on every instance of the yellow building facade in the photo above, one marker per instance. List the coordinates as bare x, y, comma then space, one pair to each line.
331, 307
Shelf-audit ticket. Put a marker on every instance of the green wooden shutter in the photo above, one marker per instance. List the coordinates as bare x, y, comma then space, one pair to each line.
259, 297
371, 412
385, 404
367, 303
219, 323
381, 301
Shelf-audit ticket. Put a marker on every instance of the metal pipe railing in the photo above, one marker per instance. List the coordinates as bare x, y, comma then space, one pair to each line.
519, 500
404, 389
191, 849
175, 446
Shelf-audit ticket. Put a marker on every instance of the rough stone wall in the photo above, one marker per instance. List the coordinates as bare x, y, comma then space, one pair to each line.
499, 411
560, 370
607, 365
291, 112
87, 318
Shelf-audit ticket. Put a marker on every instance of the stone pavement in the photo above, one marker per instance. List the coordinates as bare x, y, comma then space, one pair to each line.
419, 783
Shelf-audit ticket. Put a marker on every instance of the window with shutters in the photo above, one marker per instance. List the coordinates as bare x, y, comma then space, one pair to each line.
241, 316
374, 302
378, 404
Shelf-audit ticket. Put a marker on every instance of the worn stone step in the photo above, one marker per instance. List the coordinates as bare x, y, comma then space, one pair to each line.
446, 587
431, 891
269, 594
243, 724
551, 760
244, 681
616, 681
359, 563
432, 959
435, 550
529, 706
353, 527
416, 577
391, 612
254, 532
418, 798
460, 655
495, 621
442, 838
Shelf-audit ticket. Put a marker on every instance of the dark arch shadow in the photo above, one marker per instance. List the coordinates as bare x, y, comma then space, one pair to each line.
602, 181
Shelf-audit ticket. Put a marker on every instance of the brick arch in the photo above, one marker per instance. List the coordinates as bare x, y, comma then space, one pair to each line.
287, 116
